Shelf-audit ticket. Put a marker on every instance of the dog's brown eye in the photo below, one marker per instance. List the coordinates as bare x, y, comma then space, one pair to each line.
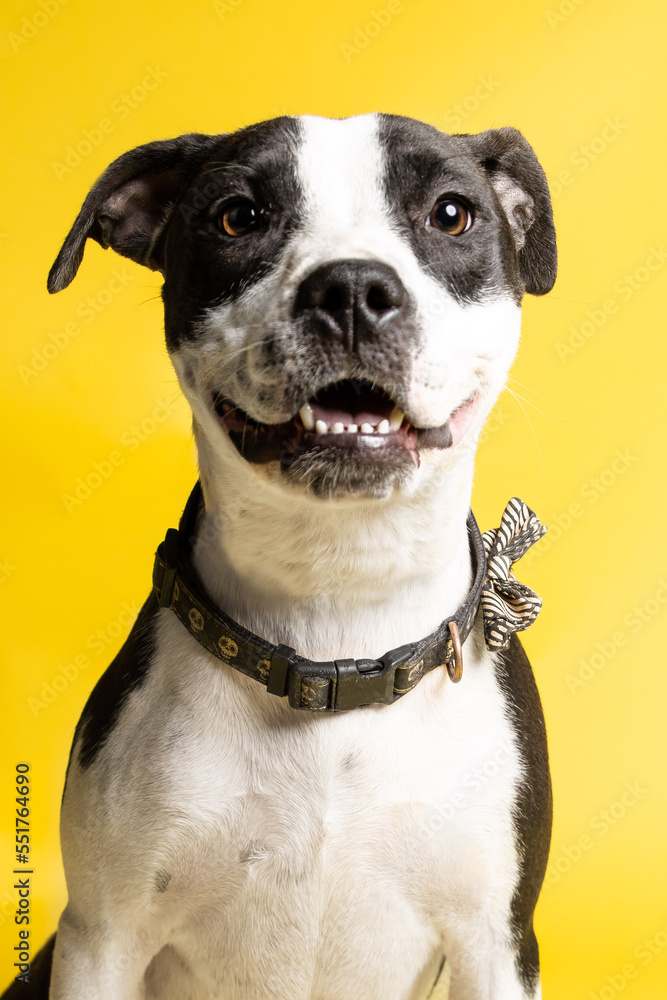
451, 216
239, 218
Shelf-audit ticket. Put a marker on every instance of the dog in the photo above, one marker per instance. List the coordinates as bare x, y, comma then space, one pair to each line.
252, 812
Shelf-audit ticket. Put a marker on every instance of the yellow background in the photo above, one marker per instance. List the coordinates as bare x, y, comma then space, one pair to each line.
559, 71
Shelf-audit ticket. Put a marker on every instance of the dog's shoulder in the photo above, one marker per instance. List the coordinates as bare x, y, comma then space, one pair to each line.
126, 672
516, 679
533, 808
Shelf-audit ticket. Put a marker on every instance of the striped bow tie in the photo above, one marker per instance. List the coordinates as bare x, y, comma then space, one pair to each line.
507, 605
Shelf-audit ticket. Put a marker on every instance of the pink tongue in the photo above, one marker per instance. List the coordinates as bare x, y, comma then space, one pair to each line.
460, 420
350, 407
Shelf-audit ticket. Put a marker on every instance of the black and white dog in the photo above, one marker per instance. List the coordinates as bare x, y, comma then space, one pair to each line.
342, 305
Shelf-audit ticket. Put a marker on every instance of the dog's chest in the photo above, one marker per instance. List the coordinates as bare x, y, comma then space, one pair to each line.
311, 856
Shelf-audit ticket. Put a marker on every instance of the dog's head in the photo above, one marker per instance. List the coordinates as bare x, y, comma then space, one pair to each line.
342, 297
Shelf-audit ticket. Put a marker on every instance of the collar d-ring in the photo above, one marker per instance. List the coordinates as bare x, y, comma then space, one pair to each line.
455, 669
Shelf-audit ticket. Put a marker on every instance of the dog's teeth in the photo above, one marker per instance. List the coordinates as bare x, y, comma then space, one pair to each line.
337, 428
383, 427
306, 414
366, 429
321, 427
352, 429
396, 418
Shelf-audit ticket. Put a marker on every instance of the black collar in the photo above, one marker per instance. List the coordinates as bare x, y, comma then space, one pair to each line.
329, 686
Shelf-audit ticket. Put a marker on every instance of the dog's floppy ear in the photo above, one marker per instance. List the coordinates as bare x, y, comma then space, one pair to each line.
130, 204
521, 187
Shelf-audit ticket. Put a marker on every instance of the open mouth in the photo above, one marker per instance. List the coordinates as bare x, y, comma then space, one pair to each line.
345, 415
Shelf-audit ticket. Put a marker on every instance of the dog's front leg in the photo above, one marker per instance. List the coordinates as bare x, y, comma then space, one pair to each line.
488, 963
100, 961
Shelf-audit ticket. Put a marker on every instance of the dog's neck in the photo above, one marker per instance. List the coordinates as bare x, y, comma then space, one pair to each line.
335, 578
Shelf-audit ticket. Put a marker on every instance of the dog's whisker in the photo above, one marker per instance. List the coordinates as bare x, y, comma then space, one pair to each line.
176, 394
528, 388
517, 395
245, 348
532, 429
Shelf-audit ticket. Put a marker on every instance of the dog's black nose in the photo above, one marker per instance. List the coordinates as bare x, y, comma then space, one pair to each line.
351, 300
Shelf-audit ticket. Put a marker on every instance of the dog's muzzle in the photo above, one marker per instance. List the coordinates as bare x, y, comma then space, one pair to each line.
355, 318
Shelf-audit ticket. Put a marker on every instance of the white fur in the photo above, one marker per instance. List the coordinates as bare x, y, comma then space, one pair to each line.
311, 857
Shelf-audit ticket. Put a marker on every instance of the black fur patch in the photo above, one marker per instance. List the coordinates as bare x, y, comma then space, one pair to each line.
203, 265
126, 672
130, 202
533, 810
423, 165
160, 205
506, 156
162, 880
332, 472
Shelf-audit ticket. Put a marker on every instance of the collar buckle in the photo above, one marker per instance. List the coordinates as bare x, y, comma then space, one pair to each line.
355, 687
367, 682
